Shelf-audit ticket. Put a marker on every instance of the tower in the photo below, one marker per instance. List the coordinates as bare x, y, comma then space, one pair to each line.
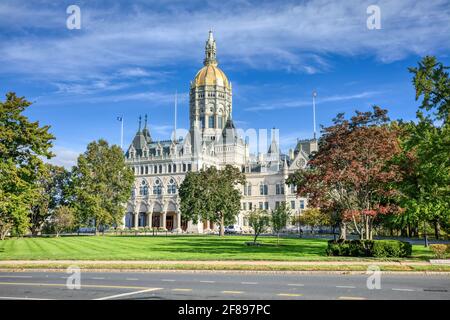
210, 96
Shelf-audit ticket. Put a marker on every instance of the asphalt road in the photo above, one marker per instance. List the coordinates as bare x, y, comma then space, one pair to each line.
218, 286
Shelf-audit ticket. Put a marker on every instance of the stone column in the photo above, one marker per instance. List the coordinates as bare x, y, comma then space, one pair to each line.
149, 219
124, 221
164, 213
178, 222
136, 220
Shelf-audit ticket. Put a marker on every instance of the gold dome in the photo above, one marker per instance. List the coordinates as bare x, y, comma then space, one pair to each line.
211, 75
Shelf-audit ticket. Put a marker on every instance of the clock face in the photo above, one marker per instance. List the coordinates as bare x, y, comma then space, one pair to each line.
301, 163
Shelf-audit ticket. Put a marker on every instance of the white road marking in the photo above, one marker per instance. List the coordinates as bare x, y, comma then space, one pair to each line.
207, 281
347, 287
98, 278
352, 298
23, 298
16, 276
128, 294
132, 279
296, 284
401, 289
249, 282
168, 280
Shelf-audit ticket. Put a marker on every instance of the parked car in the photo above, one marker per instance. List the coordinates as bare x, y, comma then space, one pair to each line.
233, 229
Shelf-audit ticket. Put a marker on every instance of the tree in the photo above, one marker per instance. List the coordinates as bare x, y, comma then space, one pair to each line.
314, 217
212, 195
352, 173
259, 220
101, 185
63, 219
51, 191
23, 144
279, 218
425, 161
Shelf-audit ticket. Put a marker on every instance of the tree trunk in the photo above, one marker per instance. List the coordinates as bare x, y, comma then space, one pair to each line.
278, 239
437, 229
342, 231
222, 227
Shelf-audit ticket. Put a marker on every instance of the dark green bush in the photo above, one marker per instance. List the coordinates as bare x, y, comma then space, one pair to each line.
369, 248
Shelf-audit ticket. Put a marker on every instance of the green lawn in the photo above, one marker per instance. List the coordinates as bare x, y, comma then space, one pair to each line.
169, 248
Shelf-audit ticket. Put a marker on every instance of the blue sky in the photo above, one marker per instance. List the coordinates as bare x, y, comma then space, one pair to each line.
129, 58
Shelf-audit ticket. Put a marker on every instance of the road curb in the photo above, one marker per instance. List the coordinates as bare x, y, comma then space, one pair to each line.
342, 272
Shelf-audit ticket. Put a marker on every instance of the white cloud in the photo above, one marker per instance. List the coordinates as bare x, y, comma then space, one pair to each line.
307, 103
64, 157
295, 37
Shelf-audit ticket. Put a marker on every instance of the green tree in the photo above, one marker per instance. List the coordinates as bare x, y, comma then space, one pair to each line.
425, 160
63, 219
259, 220
212, 195
101, 185
279, 218
51, 191
314, 217
23, 144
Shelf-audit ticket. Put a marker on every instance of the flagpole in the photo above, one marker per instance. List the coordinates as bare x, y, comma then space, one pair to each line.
175, 120
121, 132
314, 112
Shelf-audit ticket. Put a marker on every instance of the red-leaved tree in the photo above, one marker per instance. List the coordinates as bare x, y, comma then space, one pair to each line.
351, 176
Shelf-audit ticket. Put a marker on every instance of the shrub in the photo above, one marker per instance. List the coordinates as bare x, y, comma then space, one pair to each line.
369, 248
439, 250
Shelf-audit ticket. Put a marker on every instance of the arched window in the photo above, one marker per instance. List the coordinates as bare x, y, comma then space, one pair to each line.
143, 189
169, 168
174, 168
157, 187
160, 168
172, 187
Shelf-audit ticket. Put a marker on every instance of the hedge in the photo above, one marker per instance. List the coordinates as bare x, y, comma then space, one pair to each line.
369, 248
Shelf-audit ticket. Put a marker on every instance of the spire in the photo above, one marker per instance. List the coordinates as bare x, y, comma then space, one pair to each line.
140, 120
210, 51
146, 132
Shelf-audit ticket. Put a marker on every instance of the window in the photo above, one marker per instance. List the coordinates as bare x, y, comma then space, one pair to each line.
302, 204
160, 168
143, 189
266, 205
279, 188
211, 122
169, 168
142, 169
292, 204
277, 204
261, 205
174, 168
248, 190
202, 121
146, 169
189, 167
172, 187
157, 188
219, 122
250, 206
263, 189
293, 189
184, 167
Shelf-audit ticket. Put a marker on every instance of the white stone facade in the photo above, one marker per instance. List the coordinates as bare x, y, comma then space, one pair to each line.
213, 140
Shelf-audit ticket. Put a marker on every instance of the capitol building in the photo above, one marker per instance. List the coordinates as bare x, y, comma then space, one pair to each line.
212, 140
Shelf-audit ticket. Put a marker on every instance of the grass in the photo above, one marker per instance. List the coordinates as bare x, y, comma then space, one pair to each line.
174, 248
